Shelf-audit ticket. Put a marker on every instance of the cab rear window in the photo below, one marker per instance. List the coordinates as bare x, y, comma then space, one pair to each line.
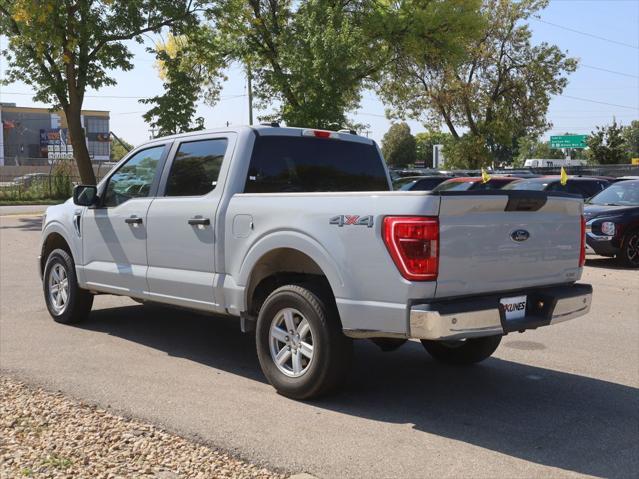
290, 164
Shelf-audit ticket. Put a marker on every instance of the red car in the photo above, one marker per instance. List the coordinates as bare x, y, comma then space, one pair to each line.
468, 183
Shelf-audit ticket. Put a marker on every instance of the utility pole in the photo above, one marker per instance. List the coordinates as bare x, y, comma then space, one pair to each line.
249, 80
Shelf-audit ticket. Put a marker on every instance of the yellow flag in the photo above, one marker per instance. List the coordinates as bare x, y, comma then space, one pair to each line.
564, 177
485, 177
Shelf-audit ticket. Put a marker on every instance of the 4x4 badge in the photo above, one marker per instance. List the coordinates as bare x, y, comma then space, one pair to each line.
356, 220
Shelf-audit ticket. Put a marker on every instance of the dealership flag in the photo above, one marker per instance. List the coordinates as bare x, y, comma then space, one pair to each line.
564, 177
485, 177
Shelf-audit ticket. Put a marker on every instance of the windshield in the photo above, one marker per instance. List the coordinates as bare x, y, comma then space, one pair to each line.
625, 193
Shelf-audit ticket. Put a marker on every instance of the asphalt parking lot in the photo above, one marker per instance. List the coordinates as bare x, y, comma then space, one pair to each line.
560, 401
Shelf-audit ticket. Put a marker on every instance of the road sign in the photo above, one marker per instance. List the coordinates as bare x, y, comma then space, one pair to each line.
568, 141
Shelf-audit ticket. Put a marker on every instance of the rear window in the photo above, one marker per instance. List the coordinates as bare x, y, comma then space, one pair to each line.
290, 164
454, 186
491, 184
530, 185
427, 184
585, 189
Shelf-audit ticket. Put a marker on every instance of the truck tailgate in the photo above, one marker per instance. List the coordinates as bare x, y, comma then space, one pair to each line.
507, 240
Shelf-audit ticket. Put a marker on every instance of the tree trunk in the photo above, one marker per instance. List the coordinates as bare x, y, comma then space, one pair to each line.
78, 140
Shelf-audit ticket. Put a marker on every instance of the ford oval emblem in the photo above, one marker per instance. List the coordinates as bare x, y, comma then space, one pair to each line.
520, 235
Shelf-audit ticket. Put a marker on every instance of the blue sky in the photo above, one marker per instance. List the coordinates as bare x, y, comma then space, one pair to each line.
593, 96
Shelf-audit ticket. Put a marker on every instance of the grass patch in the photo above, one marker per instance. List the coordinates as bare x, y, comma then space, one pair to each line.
57, 462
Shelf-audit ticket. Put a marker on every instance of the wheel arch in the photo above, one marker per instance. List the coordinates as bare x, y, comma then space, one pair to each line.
289, 264
53, 239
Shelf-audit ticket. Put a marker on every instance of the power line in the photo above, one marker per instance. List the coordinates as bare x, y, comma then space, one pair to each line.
592, 35
599, 102
630, 75
124, 97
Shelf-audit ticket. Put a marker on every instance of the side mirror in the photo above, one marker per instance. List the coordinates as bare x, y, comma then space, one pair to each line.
85, 195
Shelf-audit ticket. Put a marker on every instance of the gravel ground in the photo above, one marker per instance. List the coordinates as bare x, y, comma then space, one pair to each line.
48, 435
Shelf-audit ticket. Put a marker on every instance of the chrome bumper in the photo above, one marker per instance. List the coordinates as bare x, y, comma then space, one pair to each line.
482, 315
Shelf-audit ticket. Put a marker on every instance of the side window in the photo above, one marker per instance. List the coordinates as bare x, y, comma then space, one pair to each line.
196, 167
134, 178
287, 164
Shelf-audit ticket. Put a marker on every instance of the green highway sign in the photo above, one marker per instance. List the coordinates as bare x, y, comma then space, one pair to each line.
568, 141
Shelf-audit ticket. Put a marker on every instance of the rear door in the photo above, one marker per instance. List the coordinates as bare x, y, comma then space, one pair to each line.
507, 240
181, 220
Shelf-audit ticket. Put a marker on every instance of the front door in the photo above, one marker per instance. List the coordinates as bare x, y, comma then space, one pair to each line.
114, 233
181, 224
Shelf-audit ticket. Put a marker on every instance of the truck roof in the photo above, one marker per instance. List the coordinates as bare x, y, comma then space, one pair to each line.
269, 130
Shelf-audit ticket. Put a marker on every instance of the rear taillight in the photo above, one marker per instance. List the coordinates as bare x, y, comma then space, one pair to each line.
582, 252
413, 243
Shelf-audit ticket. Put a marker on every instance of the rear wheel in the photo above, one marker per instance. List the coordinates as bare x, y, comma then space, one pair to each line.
300, 345
66, 301
629, 254
462, 352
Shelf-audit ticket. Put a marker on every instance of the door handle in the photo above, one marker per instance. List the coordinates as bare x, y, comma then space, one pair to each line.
199, 221
133, 220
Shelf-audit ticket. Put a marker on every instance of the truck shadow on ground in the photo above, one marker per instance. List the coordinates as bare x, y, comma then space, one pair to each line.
605, 263
25, 224
552, 418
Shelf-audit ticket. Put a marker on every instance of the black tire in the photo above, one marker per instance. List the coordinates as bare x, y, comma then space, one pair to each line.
629, 254
464, 352
78, 302
331, 350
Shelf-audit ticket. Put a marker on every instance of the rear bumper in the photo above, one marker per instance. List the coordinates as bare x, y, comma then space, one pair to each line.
482, 315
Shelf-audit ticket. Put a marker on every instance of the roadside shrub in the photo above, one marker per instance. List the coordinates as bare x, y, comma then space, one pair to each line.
61, 184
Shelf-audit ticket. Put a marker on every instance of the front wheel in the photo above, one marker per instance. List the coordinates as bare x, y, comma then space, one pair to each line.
66, 301
300, 345
462, 352
629, 254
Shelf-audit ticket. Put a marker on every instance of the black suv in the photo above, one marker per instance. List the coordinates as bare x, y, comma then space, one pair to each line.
612, 222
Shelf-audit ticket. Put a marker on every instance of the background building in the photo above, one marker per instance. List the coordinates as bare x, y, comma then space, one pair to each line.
37, 133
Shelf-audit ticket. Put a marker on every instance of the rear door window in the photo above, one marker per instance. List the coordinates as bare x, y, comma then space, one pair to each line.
196, 167
283, 164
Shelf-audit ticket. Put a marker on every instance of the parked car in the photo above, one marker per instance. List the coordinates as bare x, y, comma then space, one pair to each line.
27, 180
612, 227
296, 233
418, 183
581, 186
475, 183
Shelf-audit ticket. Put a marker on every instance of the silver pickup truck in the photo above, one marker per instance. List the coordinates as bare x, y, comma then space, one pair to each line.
296, 233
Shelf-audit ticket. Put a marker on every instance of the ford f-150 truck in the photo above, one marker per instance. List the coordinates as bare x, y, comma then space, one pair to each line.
297, 233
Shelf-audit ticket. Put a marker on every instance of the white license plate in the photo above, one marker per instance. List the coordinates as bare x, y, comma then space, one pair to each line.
515, 307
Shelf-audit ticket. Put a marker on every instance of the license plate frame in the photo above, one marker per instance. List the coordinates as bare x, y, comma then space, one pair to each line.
514, 307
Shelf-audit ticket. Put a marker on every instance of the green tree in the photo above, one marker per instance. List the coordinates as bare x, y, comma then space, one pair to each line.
529, 147
308, 59
119, 148
607, 145
631, 139
398, 146
61, 49
173, 111
188, 77
497, 93
425, 142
